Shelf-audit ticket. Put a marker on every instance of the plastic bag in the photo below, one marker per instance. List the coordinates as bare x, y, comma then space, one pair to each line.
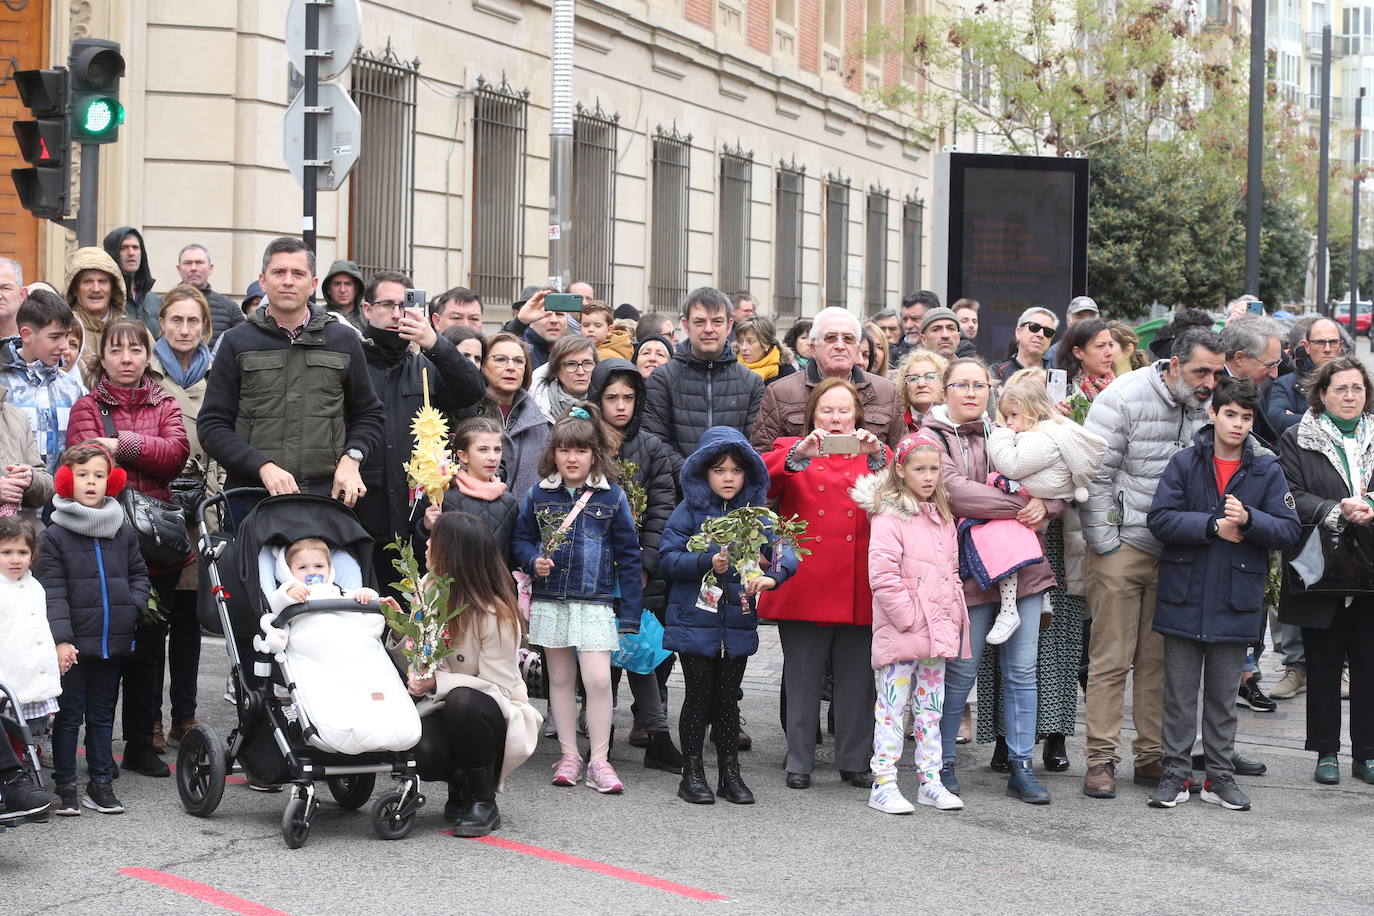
641, 652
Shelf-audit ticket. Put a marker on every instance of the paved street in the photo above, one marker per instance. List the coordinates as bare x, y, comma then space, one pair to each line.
569, 851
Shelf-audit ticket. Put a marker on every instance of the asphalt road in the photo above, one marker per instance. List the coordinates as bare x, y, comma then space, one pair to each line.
572, 851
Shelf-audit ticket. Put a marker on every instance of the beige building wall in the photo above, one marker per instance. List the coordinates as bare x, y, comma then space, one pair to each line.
200, 157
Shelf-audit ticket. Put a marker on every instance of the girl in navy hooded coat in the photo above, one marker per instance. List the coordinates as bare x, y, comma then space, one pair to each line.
714, 642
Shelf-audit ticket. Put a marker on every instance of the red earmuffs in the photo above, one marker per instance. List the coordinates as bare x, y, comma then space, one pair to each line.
65, 485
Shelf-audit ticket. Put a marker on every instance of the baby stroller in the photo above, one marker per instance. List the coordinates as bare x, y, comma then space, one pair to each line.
15, 729
332, 705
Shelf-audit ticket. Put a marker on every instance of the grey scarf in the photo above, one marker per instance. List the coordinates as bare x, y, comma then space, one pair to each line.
104, 521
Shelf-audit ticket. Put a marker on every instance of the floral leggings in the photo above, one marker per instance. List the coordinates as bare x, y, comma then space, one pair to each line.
919, 684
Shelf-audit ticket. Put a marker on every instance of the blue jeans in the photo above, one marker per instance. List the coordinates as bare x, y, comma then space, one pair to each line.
1018, 658
89, 692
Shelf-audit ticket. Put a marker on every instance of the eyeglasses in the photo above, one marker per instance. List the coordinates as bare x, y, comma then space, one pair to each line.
833, 338
386, 305
504, 361
1270, 367
586, 365
1329, 343
1348, 391
965, 387
1037, 328
923, 377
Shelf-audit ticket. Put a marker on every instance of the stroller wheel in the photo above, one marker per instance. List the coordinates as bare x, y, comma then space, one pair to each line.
295, 821
201, 769
352, 792
390, 818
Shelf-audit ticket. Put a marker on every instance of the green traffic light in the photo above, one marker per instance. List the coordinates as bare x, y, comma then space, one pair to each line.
98, 117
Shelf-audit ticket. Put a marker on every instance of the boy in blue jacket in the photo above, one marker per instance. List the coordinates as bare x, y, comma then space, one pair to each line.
1221, 506
714, 633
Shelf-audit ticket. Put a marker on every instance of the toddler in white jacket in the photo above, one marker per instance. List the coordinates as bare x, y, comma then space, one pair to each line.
1037, 451
28, 655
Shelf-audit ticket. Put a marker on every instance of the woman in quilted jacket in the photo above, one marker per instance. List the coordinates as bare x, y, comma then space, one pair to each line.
139, 422
919, 616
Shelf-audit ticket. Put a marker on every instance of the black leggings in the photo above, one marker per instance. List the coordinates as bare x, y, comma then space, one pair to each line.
712, 696
469, 732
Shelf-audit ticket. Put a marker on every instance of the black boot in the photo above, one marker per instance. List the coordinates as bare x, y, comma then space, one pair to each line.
694, 788
1056, 756
662, 754
140, 758
480, 817
731, 786
457, 797
999, 761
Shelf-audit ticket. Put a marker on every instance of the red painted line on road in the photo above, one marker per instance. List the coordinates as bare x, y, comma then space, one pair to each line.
212, 895
601, 868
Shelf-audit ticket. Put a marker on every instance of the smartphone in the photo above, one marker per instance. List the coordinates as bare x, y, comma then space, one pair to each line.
1255, 308
840, 445
416, 299
1057, 384
563, 302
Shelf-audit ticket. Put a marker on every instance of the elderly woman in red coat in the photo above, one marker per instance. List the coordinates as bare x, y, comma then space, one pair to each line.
825, 611
149, 442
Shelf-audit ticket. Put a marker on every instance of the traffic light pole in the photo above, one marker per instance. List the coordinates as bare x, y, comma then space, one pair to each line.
311, 111
90, 195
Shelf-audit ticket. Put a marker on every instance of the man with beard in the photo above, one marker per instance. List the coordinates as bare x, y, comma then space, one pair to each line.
343, 293
125, 245
1146, 416
399, 373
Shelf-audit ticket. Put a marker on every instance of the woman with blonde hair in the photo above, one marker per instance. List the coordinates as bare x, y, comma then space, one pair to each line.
920, 385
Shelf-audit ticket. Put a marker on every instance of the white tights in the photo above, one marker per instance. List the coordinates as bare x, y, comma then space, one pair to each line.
596, 683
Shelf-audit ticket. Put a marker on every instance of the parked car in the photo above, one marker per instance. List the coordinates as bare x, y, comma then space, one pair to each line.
1364, 316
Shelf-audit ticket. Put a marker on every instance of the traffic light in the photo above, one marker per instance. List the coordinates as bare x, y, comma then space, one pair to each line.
44, 188
95, 67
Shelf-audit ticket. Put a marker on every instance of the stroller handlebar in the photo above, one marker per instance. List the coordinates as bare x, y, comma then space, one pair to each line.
324, 606
223, 496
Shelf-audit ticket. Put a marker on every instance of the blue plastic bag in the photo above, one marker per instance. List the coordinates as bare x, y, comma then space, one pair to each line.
641, 652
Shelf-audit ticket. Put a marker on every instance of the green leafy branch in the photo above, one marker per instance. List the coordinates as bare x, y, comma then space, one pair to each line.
744, 532
634, 490
424, 628
552, 533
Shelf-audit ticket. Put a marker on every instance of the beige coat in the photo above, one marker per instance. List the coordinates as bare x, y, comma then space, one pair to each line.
486, 661
190, 401
18, 446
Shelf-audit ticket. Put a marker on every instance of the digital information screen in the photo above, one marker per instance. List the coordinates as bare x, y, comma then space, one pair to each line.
1016, 236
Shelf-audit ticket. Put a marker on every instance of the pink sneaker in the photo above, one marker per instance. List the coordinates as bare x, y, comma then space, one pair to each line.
567, 770
601, 777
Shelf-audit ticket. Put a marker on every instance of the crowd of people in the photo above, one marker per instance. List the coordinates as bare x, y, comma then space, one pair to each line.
967, 524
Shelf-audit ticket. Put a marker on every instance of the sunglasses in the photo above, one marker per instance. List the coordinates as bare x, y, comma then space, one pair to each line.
1036, 328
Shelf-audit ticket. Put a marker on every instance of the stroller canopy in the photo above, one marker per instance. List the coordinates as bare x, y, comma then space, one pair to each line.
281, 520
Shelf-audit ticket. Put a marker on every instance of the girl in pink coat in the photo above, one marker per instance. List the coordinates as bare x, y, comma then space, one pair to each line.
919, 616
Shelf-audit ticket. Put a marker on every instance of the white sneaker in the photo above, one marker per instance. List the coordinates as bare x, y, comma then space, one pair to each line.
935, 794
1293, 682
887, 798
1006, 624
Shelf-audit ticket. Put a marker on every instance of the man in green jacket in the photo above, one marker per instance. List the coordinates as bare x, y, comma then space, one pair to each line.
289, 405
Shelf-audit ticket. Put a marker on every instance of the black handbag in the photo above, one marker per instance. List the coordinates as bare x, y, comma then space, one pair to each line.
160, 526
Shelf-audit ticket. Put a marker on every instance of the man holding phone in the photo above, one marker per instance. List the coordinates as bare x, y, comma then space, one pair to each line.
404, 355
538, 326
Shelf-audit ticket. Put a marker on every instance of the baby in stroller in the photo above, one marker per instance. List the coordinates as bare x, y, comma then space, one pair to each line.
306, 573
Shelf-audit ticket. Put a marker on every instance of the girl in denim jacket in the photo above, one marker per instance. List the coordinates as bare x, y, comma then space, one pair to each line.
577, 584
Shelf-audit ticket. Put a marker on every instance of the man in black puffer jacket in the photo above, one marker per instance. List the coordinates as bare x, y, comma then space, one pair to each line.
618, 389
703, 385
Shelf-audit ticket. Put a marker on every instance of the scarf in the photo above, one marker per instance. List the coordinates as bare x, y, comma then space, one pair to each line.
1093, 385
103, 521
1350, 448
767, 366
171, 364
485, 490
559, 399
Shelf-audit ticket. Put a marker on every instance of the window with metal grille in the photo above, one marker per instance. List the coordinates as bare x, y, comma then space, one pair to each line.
498, 191
913, 228
668, 264
593, 234
381, 212
875, 250
736, 191
787, 240
836, 239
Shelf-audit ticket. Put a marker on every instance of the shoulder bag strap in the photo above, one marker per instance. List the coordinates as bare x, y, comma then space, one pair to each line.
576, 510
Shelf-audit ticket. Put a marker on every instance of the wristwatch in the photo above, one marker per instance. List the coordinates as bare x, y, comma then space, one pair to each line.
356, 454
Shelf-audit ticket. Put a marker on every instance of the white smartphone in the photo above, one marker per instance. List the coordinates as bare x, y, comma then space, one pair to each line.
1057, 384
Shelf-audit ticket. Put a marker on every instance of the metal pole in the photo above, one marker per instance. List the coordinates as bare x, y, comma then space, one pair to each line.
90, 196
1355, 218
560, 145
311, 103
1324, 170
1255, 157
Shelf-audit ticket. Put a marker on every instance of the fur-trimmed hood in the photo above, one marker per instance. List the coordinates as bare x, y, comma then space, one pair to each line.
868, 494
